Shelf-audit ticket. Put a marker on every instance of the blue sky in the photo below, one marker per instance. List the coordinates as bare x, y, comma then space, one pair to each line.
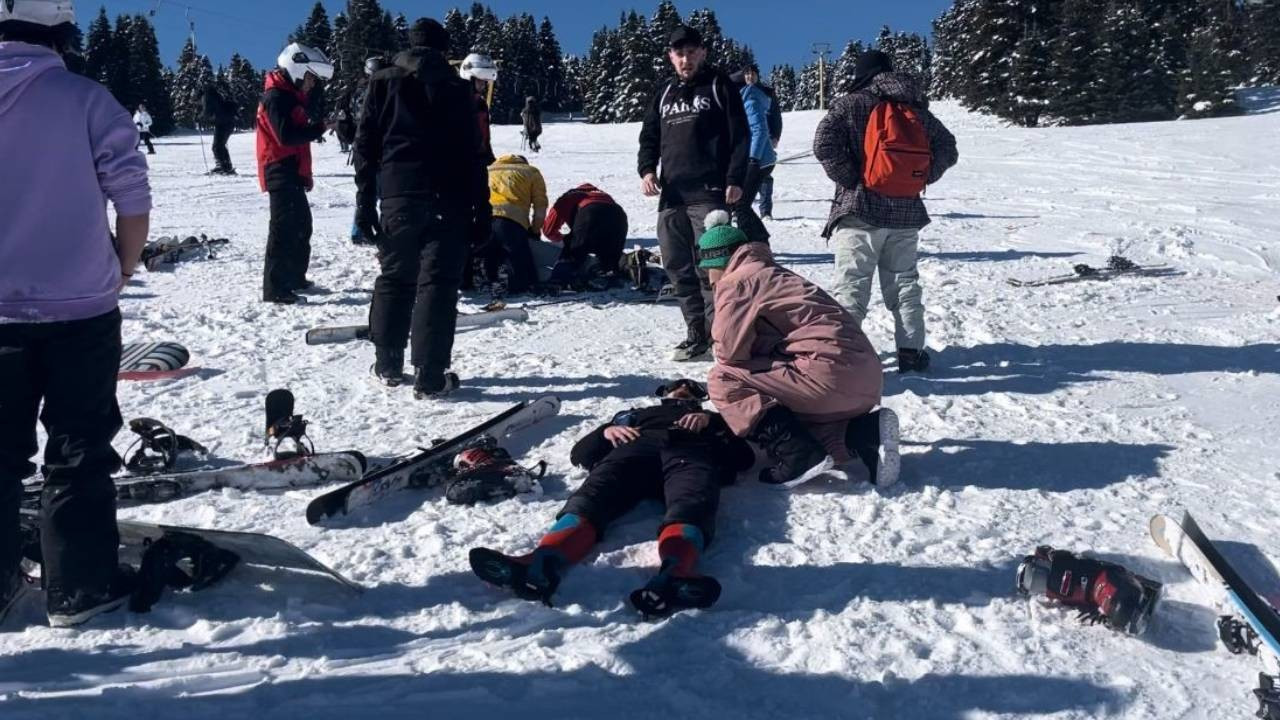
778, 30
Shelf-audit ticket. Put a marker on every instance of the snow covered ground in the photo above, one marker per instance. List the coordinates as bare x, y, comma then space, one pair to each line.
1065, 415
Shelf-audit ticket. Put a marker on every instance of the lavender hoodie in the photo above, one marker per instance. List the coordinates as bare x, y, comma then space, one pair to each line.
66, 147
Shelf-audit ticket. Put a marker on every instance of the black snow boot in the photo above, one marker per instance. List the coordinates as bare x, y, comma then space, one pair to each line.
67, 609
912, 360
388, 365
426, 387
795, 454
531, 577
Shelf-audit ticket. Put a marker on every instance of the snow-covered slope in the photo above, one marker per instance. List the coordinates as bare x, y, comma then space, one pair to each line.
1063, 415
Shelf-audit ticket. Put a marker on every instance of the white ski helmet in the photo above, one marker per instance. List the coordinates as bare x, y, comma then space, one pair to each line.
479, 67
298, 60
49, 13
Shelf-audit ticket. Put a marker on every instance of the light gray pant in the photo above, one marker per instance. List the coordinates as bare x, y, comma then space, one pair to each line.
860, 250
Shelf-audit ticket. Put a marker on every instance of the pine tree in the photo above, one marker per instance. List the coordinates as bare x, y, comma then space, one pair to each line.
401, 27
246, 89
316, 32
782, 78
100, 51
551, 67
516, 50
1030, 83
194, 73
1215, 64
662, 23
809, 85
146, 75
485, 31
571, 99
1264, 41
368, 31
952, 33
636, 81
845, 66
459, 36
117, 80
1073, 88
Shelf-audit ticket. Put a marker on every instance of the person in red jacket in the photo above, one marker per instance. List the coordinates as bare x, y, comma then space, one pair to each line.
285, 134
597, 226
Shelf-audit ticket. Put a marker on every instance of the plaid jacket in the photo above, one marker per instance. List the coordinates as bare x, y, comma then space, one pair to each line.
838, 146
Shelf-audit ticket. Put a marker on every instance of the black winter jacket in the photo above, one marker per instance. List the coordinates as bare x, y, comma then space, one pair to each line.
731, 453
698, 132
417, 135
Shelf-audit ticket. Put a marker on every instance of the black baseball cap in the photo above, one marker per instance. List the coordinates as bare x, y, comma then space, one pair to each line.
685, 35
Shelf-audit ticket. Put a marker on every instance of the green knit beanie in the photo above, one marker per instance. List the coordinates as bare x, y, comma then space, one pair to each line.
719, 242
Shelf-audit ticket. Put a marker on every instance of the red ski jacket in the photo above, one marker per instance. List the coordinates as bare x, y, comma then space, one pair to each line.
285, 134
567, 207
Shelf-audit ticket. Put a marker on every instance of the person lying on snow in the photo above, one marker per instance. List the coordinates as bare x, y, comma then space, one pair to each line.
794, 374
675, 452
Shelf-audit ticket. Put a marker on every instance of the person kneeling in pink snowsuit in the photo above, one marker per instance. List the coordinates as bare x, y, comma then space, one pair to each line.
794, 374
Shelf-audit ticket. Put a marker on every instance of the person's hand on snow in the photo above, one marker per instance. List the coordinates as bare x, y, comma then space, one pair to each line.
732, 195
621, 435
650, 185
694, 422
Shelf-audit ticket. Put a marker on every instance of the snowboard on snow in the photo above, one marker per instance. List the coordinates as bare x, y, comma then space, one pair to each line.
430, 466
348, 333
303, 471
1117, 266
1249, 625
167, 251
248, 548
154, 361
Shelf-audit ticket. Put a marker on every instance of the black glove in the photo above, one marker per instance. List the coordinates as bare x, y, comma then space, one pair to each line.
368, 224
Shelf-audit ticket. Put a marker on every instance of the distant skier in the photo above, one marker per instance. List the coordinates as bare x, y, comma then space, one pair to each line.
67, 145
759, 107
675, 452
518, 197
597, 226
697, 130
877, 213
480, 71
285, 134
142, 121
775, 137
221, 110
350, 113
531, 116
794, 373
418, 147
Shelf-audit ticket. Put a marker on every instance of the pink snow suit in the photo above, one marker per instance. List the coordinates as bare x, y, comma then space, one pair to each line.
781, 340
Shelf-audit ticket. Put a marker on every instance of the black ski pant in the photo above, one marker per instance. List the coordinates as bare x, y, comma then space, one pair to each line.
221, 157
599, 230
71, 368
744, 215
678, 230
509, 245
422, 251
683, 478
288, 243
144, 138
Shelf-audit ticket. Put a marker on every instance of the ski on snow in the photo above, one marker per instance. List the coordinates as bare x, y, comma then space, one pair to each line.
1251, 625
428, 467
1116, 267
348, 333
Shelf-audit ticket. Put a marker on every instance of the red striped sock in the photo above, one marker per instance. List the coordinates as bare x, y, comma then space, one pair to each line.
679, 548
571, 538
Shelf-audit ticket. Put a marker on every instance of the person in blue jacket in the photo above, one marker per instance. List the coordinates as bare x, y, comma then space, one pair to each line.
762, 155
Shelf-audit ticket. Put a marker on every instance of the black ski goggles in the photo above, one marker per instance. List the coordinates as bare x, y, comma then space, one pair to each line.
695, 388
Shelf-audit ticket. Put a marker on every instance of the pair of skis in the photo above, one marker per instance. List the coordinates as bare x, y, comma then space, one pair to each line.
1249, 624
172, 250
1117, 266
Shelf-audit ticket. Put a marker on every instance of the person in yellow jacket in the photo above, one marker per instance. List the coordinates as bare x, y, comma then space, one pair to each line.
518, 195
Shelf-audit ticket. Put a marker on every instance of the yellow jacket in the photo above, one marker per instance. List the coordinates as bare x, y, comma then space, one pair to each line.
515, 187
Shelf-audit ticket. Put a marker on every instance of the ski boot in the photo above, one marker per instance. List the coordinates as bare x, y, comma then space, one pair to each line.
796, 457
1103, 592
532, 577
666, 594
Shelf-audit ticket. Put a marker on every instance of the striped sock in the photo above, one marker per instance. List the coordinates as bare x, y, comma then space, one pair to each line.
679, 548
569, 540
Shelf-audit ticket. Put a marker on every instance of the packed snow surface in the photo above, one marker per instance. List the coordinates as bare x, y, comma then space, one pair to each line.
1063, 415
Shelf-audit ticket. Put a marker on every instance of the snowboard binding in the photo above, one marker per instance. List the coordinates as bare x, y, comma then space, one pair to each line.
1103, 592
666, 595
485, 472
157, 447
532, 579
283, 425
1237, 636
1268, 694
182, 562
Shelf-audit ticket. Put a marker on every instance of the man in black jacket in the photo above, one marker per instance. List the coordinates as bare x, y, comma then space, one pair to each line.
418, 146
697, 130
221, 111
675, 452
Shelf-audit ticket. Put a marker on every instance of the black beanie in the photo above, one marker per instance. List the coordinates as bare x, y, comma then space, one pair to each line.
870, 64
428, 33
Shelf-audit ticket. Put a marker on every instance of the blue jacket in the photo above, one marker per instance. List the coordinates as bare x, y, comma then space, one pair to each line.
757, 104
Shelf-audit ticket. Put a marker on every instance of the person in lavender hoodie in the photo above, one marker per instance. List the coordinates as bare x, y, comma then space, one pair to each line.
67, 148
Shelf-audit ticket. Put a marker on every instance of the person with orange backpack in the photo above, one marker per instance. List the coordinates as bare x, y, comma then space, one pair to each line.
882, 147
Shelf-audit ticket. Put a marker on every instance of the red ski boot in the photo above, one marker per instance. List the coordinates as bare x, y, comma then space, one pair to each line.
1103, 592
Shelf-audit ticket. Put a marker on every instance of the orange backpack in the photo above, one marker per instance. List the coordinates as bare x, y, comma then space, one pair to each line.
897, 151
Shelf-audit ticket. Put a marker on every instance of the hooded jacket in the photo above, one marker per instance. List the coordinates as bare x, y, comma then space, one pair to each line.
838, 145
66, 147
285, 134
698, 131
567, 207
768, 317
758, 106
515, 188
418, 135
